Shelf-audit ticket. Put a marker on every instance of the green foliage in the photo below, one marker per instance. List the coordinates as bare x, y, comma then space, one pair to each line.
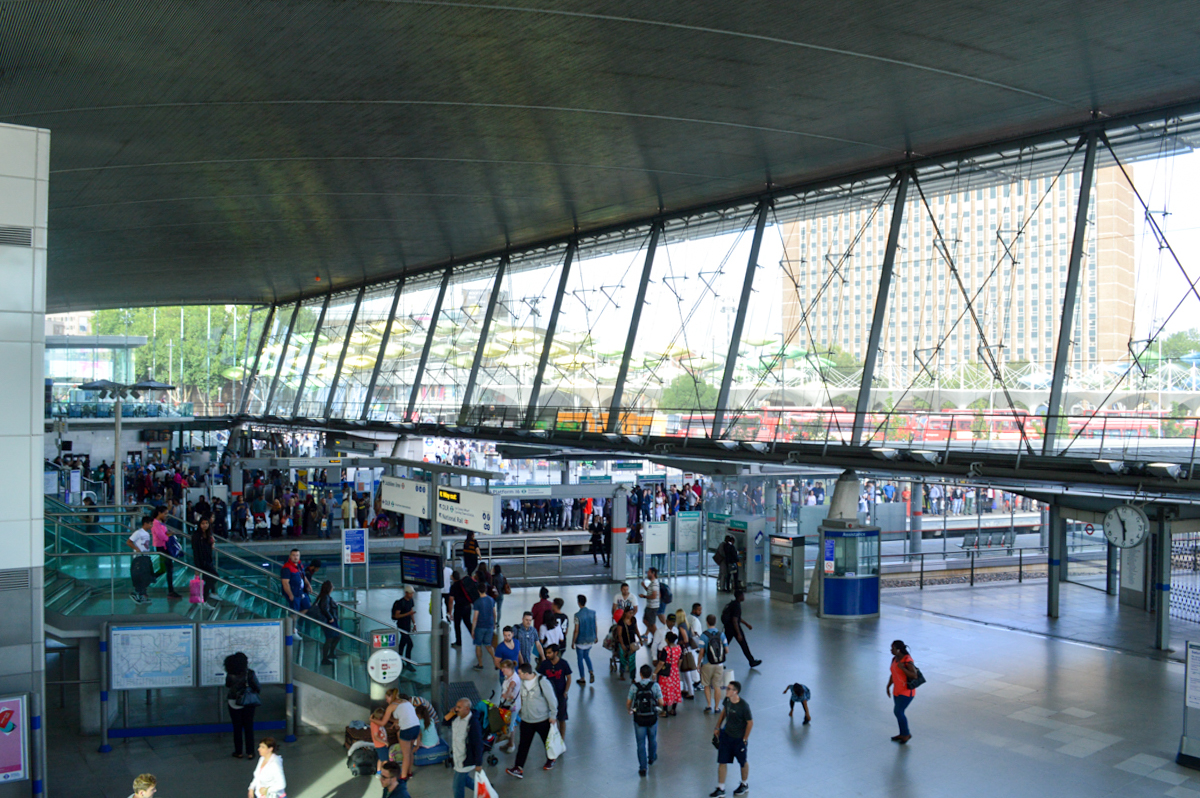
1178, 344
688, 393
948, 405
204, 355
979, 404
846, 400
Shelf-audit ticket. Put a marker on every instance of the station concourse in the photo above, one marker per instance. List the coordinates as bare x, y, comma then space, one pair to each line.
887, 313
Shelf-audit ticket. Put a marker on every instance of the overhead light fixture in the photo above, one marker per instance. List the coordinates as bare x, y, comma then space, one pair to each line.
636, 440
755, 446
1169, 470
731, 446
539, 433
611, 437
885, 453
1108, 466
926, 456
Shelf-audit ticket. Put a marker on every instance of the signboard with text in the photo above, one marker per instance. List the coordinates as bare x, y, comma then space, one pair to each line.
521, 491
354, 546
687, 530
14, 757
407, 496
468, 510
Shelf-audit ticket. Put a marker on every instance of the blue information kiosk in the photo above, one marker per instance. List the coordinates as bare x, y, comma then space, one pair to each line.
849, 570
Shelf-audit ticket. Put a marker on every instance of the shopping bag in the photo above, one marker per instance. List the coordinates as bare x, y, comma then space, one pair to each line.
196, 590
483, 787
555, 747
727, 678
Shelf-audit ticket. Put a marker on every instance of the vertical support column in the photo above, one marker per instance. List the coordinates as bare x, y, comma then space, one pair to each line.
312, 348
289, 642
37, 726
433, 320
1054, 561
548, 341
438, 626
1062, 353
635, 320
387, 334
916, 495
881, 299
104, 746
483, 337
620, 528
337, 375
262, 342
1162, 584
287, 339
735, 338
1110, 559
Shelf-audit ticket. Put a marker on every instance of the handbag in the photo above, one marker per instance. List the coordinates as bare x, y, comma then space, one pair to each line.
250, 698
687, 663
555, 747
916, 681
507, 589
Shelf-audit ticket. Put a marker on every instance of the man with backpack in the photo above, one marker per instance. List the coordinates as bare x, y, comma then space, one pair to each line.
731, 619
643, 703
653, 598
712, 665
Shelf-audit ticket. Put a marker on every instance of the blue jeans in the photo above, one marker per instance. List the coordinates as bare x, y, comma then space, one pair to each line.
647, 738
901, 704
584, 655
464, 782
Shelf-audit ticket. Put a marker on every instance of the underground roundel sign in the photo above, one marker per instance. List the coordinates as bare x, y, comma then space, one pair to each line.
384, 666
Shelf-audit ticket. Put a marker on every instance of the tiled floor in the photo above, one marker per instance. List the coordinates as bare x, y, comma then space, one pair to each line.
1004, 713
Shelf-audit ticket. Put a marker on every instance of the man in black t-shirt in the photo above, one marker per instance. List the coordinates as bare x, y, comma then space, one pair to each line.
402, 613
558, 673
731, 618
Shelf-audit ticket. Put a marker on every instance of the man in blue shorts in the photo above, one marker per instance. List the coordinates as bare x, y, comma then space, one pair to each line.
733, 735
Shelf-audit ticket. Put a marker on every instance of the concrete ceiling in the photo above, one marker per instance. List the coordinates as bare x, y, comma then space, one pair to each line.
211, 151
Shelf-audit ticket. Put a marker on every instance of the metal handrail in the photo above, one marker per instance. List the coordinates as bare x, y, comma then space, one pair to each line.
525, 555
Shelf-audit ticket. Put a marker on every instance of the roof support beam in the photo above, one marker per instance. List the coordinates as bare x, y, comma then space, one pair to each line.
433, 320
619, 389
312, 348
287, 339
387, 334
739, 321
337, 374
1065, 328
483, 336
861, 408
262, 342
535, 394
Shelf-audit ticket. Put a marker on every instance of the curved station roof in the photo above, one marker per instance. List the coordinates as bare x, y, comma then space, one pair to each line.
237, 152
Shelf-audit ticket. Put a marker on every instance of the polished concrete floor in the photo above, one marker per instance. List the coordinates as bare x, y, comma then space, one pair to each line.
1005, 713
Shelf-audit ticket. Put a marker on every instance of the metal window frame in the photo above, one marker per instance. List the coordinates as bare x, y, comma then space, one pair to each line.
262, 342
614, 406
433, 322
483, 338
531, 410
337, 375
287, 340
387, 334
312, 348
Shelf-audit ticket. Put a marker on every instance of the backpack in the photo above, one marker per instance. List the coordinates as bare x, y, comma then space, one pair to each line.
664, 594
645, 713
173, 547
714, 652
719, 557
727, 614
362, 759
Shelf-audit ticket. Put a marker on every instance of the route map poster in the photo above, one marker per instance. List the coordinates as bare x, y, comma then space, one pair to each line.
260, 641
150, 657
14, 760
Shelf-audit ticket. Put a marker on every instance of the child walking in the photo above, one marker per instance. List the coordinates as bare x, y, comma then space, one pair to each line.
799, 695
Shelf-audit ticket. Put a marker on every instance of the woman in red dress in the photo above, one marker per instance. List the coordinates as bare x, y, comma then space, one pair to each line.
668, 674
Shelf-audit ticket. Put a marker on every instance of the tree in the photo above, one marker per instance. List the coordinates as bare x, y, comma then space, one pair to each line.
1178, 344
687, 392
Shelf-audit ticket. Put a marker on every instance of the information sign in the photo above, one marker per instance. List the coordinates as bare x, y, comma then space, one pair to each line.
421, 569
384, 639
354, 546
521, 491
1191, 685
150, 657
829, 556
407, 496
468, 510
687, 530
656, 537
599, 478
633, 466
260, 641
76, 484
14, 757
385, 665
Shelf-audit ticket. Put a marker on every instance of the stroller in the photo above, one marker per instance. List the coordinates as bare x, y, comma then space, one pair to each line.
262, 530
610, 643
494, 722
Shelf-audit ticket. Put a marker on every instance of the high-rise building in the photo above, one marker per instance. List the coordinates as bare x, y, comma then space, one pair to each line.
1010, 258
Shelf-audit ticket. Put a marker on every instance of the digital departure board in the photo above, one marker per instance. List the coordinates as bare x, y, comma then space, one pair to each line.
421, 569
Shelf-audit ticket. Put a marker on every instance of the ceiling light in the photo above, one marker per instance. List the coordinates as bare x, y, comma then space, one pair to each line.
1171, 470
612, 437
1108, 466
636, 440
731, 446
926, 456
755, 446
885, 453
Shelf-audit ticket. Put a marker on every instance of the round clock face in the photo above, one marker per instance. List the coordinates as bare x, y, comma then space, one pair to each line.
1125, 526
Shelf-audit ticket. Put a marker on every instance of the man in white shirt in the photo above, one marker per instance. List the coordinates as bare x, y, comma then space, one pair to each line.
652, 598
349, 511
140, 541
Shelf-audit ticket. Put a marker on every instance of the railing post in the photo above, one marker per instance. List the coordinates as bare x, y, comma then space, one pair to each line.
922, 582
972, 553
881, 300
289, 627
1063, 352
1020, 565
104, 746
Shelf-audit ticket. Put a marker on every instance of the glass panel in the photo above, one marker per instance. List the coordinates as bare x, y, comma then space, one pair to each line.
454, 342
295, 358
588, 345
515, 342
409, 331
328, 345
365, 341
269, 359
683, 339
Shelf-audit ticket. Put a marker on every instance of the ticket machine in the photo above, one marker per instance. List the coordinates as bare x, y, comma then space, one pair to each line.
787, 568
848, 568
